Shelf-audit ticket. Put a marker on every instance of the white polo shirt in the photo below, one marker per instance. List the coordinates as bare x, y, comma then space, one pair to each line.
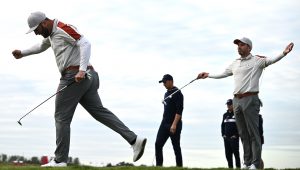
246, 72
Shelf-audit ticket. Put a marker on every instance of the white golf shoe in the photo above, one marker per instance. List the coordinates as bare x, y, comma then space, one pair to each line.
52, 163
244, 166
138, 148
252, 167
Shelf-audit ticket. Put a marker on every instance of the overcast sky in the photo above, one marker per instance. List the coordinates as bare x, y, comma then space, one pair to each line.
136, 42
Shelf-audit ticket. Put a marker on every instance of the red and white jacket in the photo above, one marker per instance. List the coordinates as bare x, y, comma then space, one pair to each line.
70, 47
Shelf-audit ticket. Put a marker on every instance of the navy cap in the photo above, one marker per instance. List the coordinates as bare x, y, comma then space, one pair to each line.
165, 78
229, 102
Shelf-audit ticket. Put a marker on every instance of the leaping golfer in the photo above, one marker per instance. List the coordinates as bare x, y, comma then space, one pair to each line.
72, 53
246, 72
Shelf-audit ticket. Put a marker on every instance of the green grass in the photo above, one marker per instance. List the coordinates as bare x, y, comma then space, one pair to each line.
35, 167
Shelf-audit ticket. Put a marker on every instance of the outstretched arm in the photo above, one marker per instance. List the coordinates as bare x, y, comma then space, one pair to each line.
269, 61
226, 73
37, 48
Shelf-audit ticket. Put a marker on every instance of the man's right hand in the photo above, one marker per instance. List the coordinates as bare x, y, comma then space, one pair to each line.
202, 75
17, 54
288, 48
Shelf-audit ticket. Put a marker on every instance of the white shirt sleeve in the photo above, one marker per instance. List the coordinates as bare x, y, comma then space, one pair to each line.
85, 53
269, 61
226, 73
37, 48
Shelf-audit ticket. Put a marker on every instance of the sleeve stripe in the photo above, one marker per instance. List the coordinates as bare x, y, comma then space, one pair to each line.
69, 30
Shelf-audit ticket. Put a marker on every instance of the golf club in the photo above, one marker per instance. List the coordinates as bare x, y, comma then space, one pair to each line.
170, 96
44, 101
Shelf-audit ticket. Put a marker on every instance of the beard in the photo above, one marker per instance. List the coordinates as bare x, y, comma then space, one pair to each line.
242, 53
45, 32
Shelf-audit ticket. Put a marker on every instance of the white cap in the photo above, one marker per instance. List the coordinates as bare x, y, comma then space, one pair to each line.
243, 40
34, 20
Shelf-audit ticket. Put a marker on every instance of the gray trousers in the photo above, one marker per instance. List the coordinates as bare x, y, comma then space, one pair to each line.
85, 93
246, 111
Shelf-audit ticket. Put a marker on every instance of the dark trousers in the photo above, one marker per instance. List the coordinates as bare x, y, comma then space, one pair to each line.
232, 148
162, 137
85, 93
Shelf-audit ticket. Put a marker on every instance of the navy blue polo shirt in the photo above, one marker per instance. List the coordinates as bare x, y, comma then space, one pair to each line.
172, 105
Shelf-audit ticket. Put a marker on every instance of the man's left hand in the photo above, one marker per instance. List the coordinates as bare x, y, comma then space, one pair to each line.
288, 48
79, 76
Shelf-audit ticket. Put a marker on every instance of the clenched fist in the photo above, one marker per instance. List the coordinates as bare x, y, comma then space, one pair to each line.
17, 54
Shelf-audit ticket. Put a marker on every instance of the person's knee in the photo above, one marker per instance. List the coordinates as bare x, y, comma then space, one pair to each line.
62, 125
63, 117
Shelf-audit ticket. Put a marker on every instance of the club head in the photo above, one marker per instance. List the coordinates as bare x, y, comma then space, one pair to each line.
20, 123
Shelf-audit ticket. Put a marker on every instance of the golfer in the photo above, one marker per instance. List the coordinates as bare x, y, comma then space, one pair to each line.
72, 53
171, 123
246, 71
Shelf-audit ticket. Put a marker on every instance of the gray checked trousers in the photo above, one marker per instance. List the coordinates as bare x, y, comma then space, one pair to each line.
246, 111
85, 93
